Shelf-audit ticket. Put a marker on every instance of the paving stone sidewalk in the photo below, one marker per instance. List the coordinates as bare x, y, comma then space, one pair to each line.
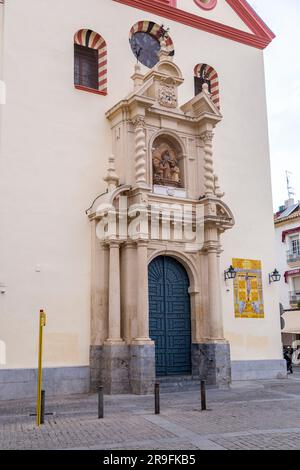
251, 415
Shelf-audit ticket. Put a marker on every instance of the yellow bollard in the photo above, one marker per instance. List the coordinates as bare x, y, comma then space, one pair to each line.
40, 368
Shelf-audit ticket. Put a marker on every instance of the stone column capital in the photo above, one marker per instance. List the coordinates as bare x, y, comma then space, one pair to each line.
103, 245
142, 243
129, 244
207, 136
114, 244
139, 121
211, 249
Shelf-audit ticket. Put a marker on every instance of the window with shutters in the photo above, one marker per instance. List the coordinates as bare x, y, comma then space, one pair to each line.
296, 282
295, 245
86, 67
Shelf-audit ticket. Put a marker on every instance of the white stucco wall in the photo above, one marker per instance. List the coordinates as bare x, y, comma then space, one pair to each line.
55, 144
222, 13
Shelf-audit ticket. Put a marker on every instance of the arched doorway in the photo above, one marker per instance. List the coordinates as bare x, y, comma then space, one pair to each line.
170, 316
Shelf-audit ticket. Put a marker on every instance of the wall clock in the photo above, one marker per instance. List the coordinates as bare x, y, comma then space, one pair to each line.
145, 48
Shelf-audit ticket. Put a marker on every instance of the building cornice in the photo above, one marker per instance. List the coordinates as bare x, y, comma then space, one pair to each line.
261, 37
286, 220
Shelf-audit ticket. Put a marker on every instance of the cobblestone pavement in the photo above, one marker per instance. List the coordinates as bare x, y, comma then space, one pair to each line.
251, 415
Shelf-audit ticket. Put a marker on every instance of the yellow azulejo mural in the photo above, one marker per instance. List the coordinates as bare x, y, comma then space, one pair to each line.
248, 290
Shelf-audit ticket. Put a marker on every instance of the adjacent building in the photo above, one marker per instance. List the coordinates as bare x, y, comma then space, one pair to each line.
287, 229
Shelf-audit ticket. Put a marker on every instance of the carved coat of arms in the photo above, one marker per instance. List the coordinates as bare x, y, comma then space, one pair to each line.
167, 96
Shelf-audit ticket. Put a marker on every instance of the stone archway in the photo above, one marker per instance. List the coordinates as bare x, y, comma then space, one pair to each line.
170, 316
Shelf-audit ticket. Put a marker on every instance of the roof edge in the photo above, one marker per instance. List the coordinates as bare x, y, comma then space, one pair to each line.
260, 39
247, 14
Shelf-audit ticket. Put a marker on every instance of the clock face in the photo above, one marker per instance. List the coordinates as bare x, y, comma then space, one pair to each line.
145, 48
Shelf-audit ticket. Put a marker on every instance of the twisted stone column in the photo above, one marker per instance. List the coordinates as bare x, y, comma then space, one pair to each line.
140, 151
207, 138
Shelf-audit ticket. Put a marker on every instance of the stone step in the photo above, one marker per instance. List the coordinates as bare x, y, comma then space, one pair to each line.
178, 383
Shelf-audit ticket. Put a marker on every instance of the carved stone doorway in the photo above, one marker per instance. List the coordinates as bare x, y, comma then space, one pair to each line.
170, 316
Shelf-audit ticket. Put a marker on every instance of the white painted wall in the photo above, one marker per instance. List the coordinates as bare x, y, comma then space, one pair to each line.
55, 145
222, 13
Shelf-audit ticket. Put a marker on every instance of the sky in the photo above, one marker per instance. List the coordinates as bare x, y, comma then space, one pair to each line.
282, 64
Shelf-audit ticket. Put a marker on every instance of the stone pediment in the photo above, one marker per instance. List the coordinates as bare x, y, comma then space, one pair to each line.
201, 105
157, 92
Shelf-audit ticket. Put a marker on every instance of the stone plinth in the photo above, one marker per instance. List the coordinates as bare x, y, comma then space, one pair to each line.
96, 370
142, 369
115, 368
211, 362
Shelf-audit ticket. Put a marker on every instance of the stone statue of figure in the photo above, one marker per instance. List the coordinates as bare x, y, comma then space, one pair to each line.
165, 167
166, 162
175, 172
204, 77
157, 170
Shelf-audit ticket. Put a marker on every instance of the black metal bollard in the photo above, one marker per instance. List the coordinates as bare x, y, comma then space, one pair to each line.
157, 398
43, 396
203, 395
100, 403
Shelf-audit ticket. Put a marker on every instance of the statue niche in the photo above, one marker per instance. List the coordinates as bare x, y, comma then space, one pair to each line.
166, 163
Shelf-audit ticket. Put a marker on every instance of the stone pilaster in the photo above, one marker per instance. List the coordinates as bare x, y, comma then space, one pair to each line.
99, 308
142, 294
142, 350
114, 310
211, 358
129, 291
214, 293
115, 361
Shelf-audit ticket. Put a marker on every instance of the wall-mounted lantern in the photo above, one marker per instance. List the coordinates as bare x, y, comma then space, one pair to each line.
230, 273
275, 276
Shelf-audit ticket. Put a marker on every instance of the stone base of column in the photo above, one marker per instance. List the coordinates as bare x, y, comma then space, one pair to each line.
96, 370
211, 362
115, 369
142, 368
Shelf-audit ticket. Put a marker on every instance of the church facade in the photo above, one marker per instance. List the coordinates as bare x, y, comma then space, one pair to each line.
135, 195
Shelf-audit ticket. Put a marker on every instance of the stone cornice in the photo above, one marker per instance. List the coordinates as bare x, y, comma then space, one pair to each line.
260, 39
